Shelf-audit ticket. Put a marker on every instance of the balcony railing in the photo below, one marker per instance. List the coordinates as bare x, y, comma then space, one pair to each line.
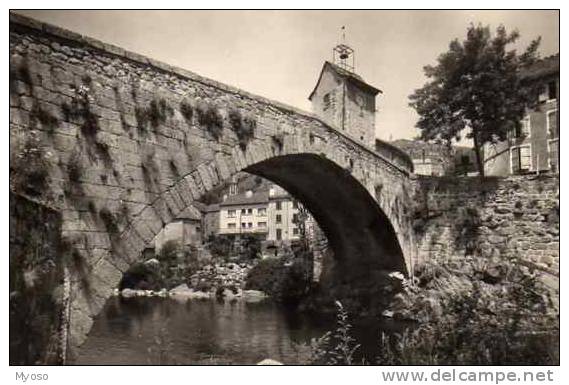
243, 230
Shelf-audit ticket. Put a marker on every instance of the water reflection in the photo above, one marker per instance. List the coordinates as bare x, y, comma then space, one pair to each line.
198, 332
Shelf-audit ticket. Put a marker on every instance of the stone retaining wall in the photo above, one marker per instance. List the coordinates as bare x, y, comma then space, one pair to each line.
515, 217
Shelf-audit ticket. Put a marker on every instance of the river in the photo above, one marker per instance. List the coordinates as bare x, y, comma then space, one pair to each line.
150, 330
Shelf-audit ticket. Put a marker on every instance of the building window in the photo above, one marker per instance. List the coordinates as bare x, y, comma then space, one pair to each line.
552, 128
523, 130
279, 205
243, 211
279, 218
262, 211
279, 234
250, 225
295, 231
231, 213
295, 204
249, 211
294, 218
262, 224
326, 101
552, 90
520, 158
231, 225
243, 225
526, 127
553, 148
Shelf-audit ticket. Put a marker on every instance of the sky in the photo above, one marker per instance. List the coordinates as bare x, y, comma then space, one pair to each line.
279, 54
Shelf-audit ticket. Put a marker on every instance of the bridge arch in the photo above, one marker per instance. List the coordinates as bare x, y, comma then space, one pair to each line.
362, 236
109, 117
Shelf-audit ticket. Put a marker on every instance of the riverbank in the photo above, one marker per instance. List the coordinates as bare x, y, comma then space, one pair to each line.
184, 292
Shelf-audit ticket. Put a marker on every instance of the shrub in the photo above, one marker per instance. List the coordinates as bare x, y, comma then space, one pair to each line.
336, 347
150, 170
187, 111
156, 113
29, 173
169, 252
485, 313
74, 171
47, 120
220, 246
287, 283
210, 119
278, 141
110, 221
174, 168
462, 320
244, 128
80, 111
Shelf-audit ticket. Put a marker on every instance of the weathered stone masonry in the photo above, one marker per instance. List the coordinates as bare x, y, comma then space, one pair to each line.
130, 142
125, 143
515, 217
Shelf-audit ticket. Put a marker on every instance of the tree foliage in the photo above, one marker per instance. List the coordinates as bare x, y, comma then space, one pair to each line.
476, 89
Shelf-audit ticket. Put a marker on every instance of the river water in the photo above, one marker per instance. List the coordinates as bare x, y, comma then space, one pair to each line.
149, 330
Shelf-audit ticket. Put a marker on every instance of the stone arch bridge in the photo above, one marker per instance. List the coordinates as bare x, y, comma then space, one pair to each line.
121, 144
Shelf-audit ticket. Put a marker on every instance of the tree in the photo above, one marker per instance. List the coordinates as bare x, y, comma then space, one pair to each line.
476, 88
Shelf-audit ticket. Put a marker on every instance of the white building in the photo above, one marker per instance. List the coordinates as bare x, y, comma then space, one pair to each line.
283, 215
272, 214
244, 213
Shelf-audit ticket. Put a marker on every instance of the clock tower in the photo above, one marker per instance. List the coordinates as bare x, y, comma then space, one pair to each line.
343, 99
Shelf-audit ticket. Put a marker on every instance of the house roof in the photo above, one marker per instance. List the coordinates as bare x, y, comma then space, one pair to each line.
415, 148
243, 199
190, 213
542, 68
212, 208
347, 75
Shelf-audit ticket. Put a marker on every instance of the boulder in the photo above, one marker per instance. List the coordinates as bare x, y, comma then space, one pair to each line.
152, 262
182, 289
268, 361
253, 295
128, 293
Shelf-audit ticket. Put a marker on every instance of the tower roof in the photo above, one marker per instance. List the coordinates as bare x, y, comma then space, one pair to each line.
346, 75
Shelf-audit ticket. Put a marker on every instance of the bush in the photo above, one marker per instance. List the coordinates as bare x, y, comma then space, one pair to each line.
336, 347
485, 313
187, 111
464, 318
244, 128
210, 118
156, 113
29, 173
287, 283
